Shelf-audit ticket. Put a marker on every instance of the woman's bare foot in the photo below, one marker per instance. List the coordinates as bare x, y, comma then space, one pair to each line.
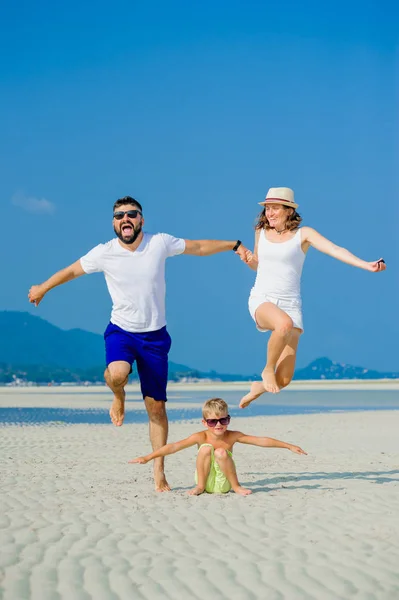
161, 485
242, 491
257, 389
197, 491
269, 381
117, 410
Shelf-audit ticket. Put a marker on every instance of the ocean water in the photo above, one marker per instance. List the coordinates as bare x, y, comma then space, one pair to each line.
285, 403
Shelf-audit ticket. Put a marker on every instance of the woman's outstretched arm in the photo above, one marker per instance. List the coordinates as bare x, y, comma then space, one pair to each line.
313, 238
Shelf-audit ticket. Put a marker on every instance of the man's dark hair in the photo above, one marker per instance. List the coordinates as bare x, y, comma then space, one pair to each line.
127, 200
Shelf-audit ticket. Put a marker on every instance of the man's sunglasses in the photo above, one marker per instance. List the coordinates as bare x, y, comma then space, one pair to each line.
214, 422
132, 214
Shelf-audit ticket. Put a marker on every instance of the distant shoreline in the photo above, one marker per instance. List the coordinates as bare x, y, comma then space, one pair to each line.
311, 384
299, 385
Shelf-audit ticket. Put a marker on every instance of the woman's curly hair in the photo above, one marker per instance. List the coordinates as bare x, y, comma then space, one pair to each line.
292, 223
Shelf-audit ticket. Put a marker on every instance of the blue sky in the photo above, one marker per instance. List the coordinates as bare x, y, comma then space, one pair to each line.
197, 109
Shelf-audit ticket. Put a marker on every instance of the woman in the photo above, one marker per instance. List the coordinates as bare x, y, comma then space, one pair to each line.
275, 300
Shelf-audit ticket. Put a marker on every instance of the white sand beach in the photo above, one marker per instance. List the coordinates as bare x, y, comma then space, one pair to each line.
78, 522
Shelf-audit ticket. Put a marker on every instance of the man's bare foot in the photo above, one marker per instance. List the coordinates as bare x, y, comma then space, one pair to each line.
161, 485
257, 389
117, 410
269, 381
242, 491
197, 491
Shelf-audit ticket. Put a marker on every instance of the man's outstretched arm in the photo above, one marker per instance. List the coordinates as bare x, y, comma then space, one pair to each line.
208, 247
37, 292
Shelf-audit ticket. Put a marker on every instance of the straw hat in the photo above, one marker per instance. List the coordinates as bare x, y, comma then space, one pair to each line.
281, 195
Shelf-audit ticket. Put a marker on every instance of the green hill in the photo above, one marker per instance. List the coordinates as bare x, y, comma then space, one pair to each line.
31, 349
34, 350
29, 340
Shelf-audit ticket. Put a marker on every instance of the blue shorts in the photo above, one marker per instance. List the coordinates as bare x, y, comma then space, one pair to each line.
149, 350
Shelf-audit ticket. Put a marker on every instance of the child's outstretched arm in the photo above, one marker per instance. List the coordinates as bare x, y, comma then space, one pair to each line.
266, 442
193, 439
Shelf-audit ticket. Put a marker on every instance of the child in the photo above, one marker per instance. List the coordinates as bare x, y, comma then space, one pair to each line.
216, 472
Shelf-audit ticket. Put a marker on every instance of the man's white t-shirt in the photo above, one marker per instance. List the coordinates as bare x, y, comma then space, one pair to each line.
135, 280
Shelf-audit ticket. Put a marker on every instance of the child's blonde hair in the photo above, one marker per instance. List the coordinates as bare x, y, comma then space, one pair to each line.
215, 406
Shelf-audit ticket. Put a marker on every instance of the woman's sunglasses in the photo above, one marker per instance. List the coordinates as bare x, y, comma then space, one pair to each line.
132, 214
214, 422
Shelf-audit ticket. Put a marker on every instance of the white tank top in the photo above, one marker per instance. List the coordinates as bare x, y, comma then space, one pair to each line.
279, 268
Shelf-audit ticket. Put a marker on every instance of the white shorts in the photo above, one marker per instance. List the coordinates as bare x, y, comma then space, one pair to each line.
293, 308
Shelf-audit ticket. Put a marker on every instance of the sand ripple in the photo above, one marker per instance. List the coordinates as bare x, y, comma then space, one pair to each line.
77, 522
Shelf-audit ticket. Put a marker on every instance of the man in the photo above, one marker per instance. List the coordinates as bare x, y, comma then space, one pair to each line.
134, 267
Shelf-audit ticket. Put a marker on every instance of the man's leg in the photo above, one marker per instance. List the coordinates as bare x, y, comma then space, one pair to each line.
152, 367
226, 465
203, 467
158, 420
116, 376
284, 371
120, 355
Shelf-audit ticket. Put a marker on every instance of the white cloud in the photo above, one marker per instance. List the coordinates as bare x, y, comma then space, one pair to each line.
32, 204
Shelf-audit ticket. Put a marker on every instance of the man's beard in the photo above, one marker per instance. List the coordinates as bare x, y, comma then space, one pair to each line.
132, 238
